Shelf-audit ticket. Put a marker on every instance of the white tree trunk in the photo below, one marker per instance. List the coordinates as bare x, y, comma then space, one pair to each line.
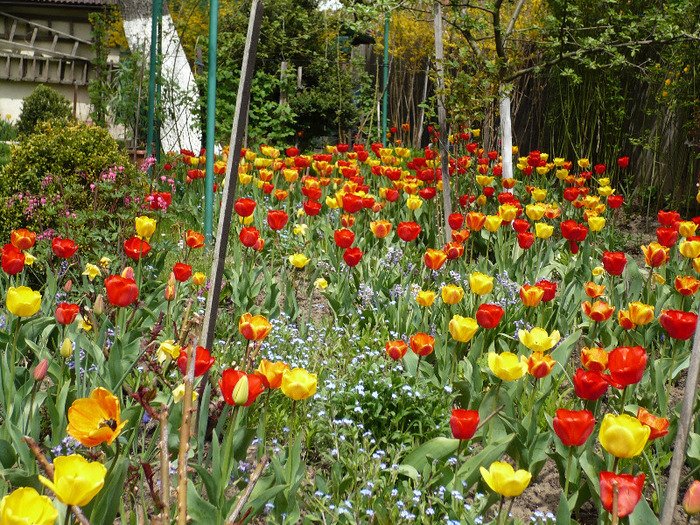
179, 94
506, 137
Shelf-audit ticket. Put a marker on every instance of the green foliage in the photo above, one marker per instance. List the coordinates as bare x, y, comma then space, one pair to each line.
296, 33
99, 88
50, 174
128, 103
8, 131
43, 105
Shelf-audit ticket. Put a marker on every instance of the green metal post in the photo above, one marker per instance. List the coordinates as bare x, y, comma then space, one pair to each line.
385, 97
157, 12
211, 115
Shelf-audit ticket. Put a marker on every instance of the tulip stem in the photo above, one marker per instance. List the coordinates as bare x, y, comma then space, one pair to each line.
495, 404
459, 451
653, 476
622, 400
500, 508
116, 457
11, 383
67, 519
568, 473
291, 425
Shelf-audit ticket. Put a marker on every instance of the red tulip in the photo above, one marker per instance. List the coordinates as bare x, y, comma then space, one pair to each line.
277, 219
244, 207
249, 236
489, 315
292, 151
135, 248
312, 208
678, 324
344, 238
668, 218
464, 423
12, 259
629, 491
230, 379
614, 262
182, 272
623, 162
66, 313
352, 256
666, 236
352, 203
573, 427
571, 194
521, 225
202, 361
455, 220
408, 231
615, 201
63, 248
590, 385
159, 200
121, 291
525, 240
573, 231
599, 311
626, 364
550, 289
658, 425
454, 250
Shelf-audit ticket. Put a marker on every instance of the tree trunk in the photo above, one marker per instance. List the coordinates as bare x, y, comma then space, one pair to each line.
442, 121
506, 136
179, 92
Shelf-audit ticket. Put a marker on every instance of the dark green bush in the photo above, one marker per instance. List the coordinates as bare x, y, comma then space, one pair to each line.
60, 171
43, 105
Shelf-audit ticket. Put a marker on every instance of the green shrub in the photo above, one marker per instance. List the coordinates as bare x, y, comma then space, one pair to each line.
63, 170
8, 131
43, 105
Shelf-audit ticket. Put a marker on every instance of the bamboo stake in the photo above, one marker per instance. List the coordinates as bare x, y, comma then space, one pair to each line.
248, 490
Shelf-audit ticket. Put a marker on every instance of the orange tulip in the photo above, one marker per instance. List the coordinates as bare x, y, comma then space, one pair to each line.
434, 259
271, 373
422, 344
594, 358
254, 328
655, 255
380, 228
540, 365
531, 295
640, 313
95, 419
594, 290
598, 311
686, 285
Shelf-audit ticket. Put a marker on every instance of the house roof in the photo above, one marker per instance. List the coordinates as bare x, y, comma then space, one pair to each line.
40, 3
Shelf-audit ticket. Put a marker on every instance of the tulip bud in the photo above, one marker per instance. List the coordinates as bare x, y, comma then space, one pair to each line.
691, 500
169, 292
66, 348
68, 286
199, 278
99, 307
40, 370
240, 391
128, 273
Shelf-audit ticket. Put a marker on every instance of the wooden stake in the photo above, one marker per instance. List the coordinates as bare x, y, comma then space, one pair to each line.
679, 446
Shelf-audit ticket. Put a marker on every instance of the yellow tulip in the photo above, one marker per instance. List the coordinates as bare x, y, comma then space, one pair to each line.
481, 200
298, 384
604, 181
504, 480
480, 284
690, 249
245, 178
484, 180
145, 226
425, 298
687, 228
543, 230
583, 163
538, 340
641, 313
26, 507
506, 366
596, 223
299, 260
168, 350
246, 221
492, 223
76, 481
535, 211
198, 278
301, 229
623, 436
23, 301
414, 202
462, 329
508, 212
320, 283
539, 194
605, 191
452, 294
